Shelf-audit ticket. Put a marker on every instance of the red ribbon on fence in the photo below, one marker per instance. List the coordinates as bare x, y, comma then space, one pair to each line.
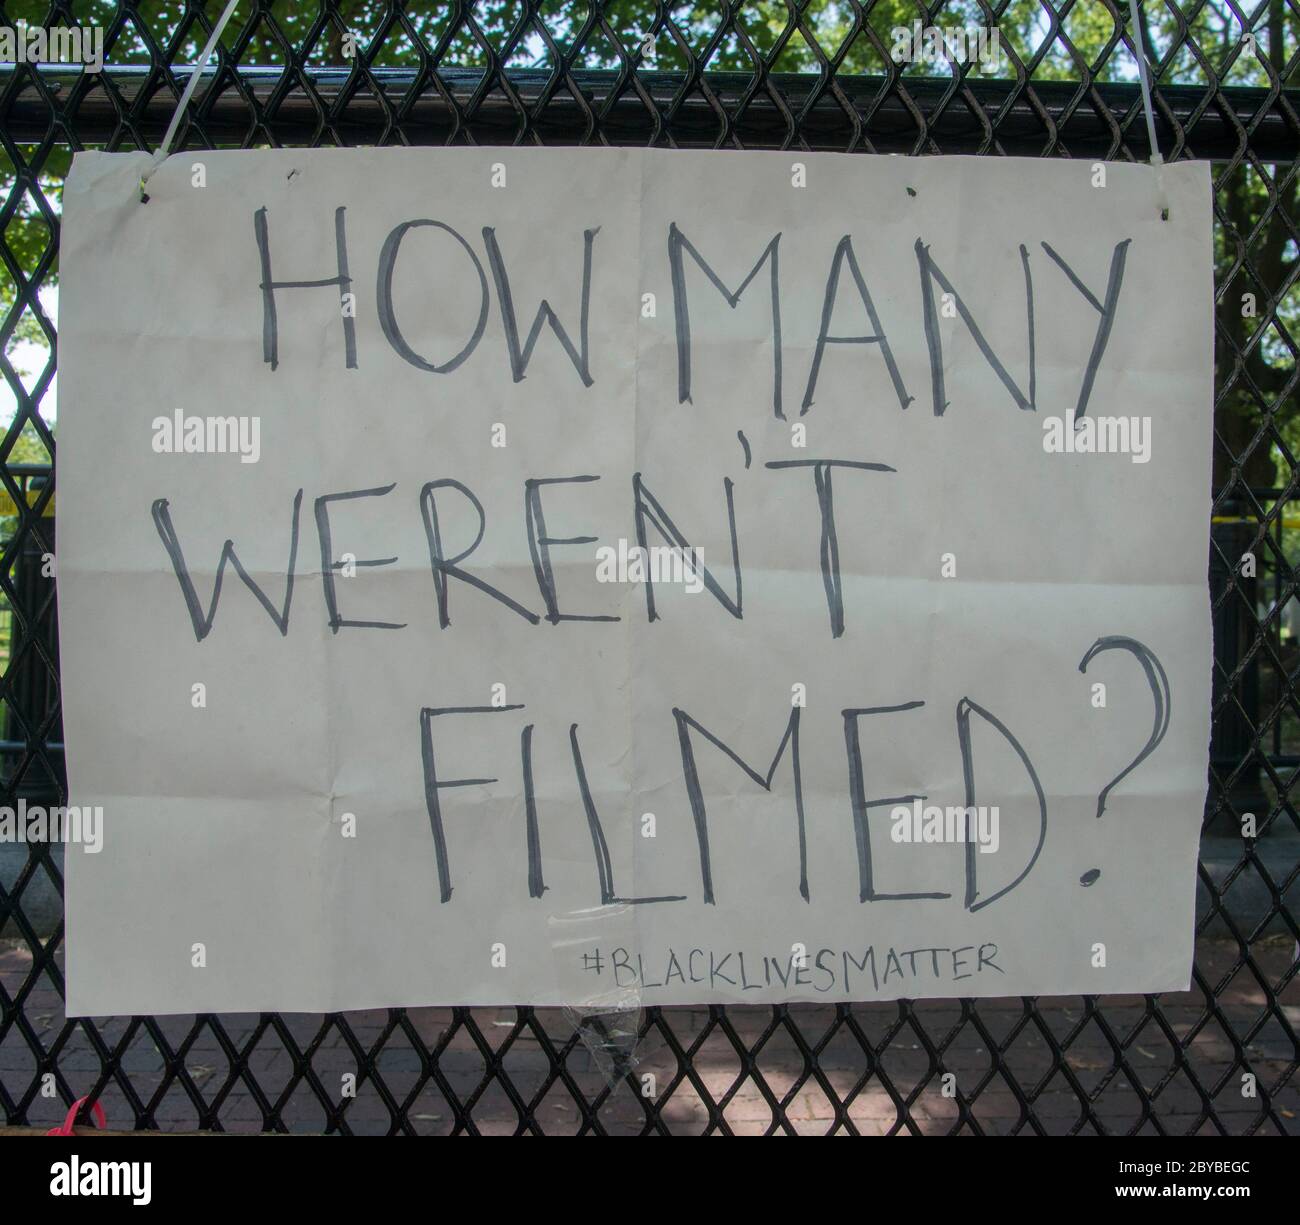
65, 1128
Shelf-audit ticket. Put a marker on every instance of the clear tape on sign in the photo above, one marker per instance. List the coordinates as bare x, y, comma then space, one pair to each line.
607, 1012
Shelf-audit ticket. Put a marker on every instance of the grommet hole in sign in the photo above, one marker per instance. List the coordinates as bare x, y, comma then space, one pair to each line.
1144, 78
163, 152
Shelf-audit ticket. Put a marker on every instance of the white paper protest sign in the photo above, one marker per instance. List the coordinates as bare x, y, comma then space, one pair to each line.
495, 576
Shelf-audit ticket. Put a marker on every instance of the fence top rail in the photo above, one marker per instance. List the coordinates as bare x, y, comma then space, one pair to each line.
830, 110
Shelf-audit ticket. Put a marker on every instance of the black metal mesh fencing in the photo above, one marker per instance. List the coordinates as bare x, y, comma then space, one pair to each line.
799, 74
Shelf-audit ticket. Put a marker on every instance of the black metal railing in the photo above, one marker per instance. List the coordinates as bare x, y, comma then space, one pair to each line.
805, 74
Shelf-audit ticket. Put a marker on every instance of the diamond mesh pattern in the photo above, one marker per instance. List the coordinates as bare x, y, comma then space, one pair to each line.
798, 74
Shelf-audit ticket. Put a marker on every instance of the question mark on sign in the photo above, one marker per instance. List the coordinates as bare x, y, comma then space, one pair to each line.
1159, 683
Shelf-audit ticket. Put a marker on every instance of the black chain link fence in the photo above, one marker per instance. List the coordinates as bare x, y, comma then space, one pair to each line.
799, 74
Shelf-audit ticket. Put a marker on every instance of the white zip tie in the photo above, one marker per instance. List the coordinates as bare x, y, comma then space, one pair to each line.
163, 152
1144, 77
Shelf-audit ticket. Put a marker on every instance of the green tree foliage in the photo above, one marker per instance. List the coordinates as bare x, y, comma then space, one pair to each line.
1192, 41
